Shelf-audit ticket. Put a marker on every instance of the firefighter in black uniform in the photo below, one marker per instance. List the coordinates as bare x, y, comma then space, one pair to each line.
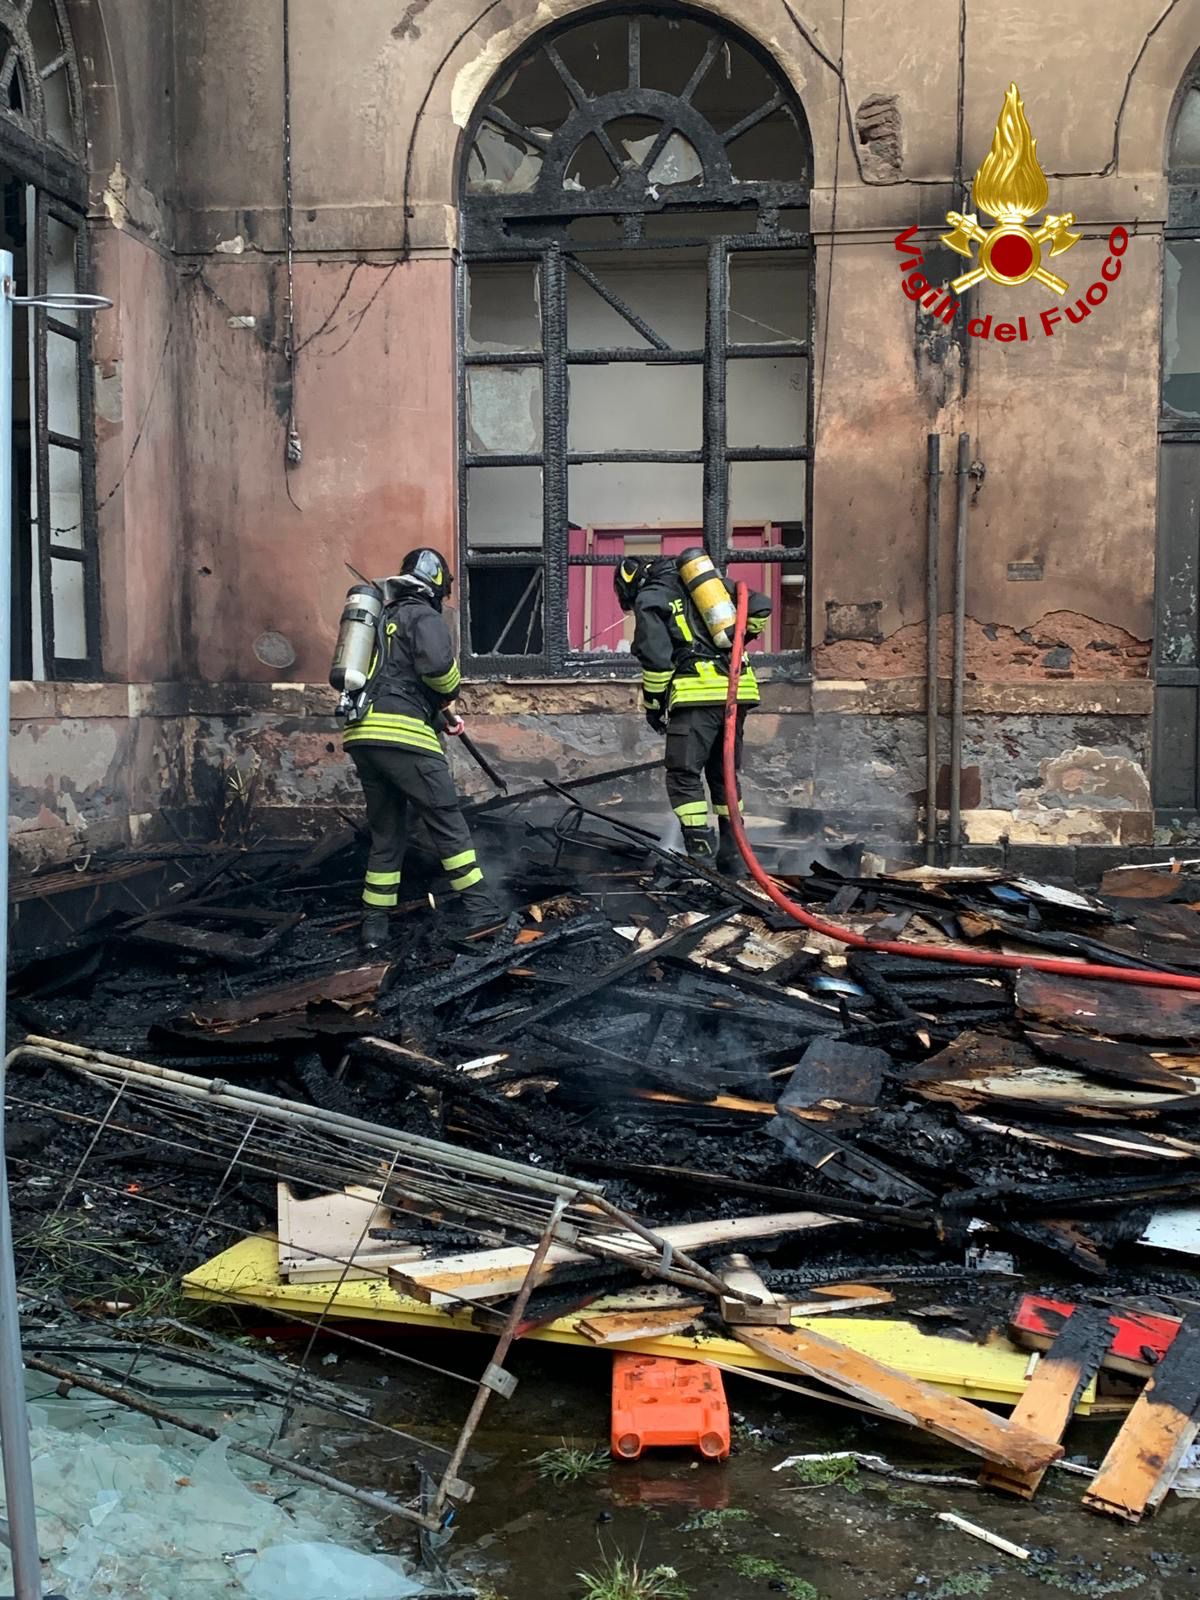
685, 677
399, 757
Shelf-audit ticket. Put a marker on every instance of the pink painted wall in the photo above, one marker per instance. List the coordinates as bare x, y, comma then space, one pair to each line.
374, 406
138, 452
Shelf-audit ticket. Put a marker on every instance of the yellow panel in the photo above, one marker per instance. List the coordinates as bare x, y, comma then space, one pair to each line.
994, 1372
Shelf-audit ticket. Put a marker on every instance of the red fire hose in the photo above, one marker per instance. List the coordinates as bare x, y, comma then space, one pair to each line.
894, 947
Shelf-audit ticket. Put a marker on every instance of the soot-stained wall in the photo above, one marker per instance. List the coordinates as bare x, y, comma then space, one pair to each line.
209, 541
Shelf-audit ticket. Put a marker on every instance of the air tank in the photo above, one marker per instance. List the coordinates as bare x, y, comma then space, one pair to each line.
356, 640
708, 594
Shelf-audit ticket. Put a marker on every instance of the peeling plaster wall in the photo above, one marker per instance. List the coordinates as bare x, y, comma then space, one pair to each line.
207, 542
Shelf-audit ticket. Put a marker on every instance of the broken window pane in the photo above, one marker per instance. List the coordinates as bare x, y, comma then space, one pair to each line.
1181, 326
503, 307
504, 507
768, 296
535, 95
61, 242
1185, 141
773, 151
667, 295
506, 606
62, 373
500, 163
596, 54
66, 587
672, 49
590, 166
766, 494
701, 224
766, 402
56, 89
636, 495
504, 410
66, 497
733, 86
635, 406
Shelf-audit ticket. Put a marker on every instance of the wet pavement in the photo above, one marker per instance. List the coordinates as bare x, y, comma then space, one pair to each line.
740, 1529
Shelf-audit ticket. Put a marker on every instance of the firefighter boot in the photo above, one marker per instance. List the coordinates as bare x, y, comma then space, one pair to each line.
729, 857
698, 844
374, 930
478, 910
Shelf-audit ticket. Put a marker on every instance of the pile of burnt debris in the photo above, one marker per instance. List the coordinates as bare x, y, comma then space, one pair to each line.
696, 1075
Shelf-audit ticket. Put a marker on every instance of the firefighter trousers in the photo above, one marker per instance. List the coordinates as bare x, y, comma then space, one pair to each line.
696, 755
395, 779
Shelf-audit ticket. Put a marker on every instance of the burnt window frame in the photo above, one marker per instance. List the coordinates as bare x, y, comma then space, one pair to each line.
546, 212
57, 175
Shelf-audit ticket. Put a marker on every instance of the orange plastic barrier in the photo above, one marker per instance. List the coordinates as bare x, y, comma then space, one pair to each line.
659, 1401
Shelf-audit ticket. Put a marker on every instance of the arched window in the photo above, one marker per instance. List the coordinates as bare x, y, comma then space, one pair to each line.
1176, 765
43, 200
634, 316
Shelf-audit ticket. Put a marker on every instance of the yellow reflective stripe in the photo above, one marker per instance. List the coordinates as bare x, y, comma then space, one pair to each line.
446, 682
383, 880
380, 897
467, 879
466, 859
693, 813
721, 811
384, 727
656, 681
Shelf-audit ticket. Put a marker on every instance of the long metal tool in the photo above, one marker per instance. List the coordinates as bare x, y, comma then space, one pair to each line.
14, 1414
959, 667
932, 614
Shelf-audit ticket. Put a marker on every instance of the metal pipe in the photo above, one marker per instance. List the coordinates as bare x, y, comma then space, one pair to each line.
959, 667
14, 1414
933, 472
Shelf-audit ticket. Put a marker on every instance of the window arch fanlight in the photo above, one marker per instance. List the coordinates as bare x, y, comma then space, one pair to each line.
39, 79
635, 318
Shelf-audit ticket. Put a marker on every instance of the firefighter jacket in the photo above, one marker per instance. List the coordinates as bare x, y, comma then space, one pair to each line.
681, 666
413, 676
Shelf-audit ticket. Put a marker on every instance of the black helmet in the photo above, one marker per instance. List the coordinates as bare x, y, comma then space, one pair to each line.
629, 578
430, 571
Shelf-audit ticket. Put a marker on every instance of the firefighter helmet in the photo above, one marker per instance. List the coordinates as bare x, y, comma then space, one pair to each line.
629, 578
430, 571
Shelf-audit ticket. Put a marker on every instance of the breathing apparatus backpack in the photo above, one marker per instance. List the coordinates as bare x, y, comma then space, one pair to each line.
359, 649
707, 592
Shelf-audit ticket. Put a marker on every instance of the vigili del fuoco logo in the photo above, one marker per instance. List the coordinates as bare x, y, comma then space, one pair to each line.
1010, 187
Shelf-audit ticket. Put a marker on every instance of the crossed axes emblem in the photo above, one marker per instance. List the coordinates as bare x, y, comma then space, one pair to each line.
1054, 231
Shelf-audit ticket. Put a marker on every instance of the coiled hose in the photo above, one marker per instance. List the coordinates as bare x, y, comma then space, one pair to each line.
895, 947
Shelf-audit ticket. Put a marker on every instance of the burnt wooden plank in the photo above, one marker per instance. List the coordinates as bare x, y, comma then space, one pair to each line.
1053, 1392
1120, 1010
1137, 1471
903, 1398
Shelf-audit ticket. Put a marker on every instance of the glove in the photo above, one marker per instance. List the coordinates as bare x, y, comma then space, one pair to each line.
453, 725
657, 721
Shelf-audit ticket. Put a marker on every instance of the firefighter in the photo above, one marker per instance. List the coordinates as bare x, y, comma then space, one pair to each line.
685, 676
395, 747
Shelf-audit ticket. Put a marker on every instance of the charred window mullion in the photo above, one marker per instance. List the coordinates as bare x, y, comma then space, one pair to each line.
41, 439
716, 474
555, 402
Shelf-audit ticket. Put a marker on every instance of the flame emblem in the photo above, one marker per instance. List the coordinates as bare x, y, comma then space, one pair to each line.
1011, 187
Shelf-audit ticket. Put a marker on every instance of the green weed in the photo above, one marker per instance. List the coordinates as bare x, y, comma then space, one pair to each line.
963, 1583
841, 1470
619, 1579
707, 1521
568, 1463
759, 1567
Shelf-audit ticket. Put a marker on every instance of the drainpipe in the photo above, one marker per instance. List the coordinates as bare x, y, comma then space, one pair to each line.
933, 472
960, 621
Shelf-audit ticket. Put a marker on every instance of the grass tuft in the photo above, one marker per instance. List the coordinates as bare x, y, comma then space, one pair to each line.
758, 1567
619, 1579
568, 1463
841, 1470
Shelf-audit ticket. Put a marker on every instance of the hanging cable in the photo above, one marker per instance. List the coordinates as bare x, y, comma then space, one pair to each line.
895, 947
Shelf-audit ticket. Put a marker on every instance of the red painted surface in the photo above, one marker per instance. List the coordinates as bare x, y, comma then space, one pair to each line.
1134, 1333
